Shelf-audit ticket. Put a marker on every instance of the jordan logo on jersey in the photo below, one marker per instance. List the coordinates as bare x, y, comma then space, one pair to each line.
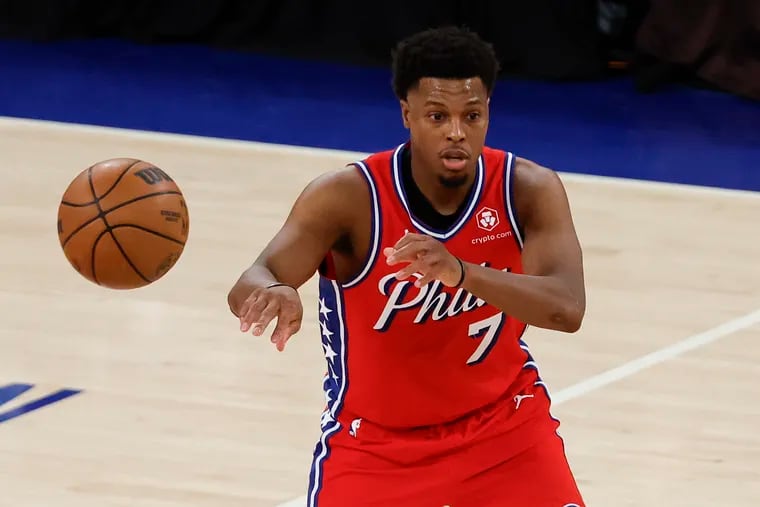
519, 398
430, 301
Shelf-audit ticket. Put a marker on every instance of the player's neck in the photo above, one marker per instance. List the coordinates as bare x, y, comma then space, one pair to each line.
445, 200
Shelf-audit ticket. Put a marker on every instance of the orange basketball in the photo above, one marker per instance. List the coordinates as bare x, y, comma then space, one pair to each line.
123, 223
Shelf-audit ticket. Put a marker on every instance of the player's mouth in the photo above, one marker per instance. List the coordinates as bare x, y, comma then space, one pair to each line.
455, 159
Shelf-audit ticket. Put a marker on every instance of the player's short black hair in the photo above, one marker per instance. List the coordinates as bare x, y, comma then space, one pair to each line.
447, 53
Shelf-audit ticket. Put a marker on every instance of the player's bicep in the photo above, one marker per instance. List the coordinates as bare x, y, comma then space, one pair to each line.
317, 220
551, 246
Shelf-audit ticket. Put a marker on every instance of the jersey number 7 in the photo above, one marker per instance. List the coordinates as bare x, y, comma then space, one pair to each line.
489, 329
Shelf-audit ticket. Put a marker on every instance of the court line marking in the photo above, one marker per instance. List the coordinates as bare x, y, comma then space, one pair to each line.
658, 356
349, 156
632, 367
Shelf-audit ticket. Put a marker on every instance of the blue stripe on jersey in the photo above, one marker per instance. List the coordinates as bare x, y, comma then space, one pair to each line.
334, 344
321, 454
509, 197
376, 232
333, 332
531, 363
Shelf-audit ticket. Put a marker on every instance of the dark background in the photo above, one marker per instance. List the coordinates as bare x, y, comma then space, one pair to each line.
664, 90
714, 43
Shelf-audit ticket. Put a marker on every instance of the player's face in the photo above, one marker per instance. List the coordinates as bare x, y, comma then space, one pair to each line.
447, 121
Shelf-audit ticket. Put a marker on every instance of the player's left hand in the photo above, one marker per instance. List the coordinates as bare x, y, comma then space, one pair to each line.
426, 256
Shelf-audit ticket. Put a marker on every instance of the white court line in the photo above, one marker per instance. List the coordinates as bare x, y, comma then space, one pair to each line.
348, 156
656, 357
632, 367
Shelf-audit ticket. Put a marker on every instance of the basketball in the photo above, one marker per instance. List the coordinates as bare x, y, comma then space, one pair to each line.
123, 223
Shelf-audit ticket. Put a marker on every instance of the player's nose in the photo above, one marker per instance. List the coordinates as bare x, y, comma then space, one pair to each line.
456, 132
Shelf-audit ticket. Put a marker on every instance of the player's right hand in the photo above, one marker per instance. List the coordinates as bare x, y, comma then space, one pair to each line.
264, 305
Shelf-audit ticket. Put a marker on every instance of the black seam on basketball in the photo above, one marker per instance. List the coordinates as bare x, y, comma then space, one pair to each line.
95, 243
102, 215
113, 185
95, 202
150, 231
67, 203
95, 199
79, 229
123, 173
146, 196
126, 257
93, 252
74, 205
120, 205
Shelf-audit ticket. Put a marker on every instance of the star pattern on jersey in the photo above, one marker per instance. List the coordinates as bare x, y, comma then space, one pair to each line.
323, 309
332, 347
326, 332
330, 354
327, 418
325, 323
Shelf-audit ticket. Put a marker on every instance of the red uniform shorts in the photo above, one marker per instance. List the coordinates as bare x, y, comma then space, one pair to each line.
505, 454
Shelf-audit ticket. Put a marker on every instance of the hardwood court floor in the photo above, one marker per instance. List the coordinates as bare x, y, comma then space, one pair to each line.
179, 408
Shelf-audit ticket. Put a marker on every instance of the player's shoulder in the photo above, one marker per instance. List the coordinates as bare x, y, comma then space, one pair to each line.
534, 186
343, 181
530, 176
353, 179
333, 196
527, 175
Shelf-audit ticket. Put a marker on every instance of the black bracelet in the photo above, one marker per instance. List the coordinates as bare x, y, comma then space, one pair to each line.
279, 284
461, 278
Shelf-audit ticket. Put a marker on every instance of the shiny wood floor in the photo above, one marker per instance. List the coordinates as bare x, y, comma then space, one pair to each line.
178, 408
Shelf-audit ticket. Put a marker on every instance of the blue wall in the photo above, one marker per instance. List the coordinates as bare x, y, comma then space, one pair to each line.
678, 135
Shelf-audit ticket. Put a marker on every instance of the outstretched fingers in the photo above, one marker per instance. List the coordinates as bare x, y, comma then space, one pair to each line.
286, 327
259, 314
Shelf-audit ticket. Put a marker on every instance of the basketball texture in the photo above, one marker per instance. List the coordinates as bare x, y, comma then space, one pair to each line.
123, 223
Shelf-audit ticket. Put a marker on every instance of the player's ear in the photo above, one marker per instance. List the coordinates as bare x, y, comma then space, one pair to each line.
405, 113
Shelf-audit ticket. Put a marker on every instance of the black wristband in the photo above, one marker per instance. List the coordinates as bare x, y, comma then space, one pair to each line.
461, 277
279, 284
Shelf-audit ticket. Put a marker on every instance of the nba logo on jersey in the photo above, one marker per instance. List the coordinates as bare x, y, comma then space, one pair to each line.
488, 219
355, 424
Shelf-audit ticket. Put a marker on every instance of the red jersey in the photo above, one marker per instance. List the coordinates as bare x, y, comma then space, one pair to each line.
402, 356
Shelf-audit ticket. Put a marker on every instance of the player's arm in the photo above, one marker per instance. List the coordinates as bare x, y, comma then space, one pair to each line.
319, 218
551, 292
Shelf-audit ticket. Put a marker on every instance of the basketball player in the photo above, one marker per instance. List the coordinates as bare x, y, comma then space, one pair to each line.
433, 259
